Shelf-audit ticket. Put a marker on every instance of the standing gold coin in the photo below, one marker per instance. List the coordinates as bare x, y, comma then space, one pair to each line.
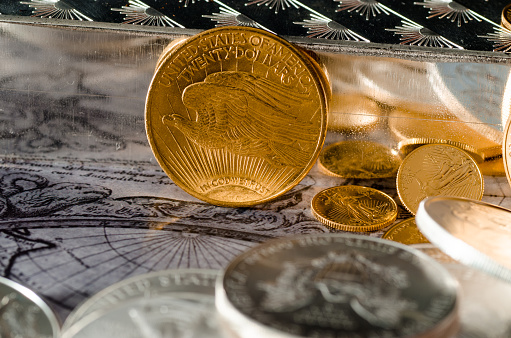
506, 17
438, 170
354, 208
405, 232
506, 150
236, 116
359, 159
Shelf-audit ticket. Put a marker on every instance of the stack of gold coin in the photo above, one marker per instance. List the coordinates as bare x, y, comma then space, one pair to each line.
438, 170
354, 208
359, 159
506, 17
236, 116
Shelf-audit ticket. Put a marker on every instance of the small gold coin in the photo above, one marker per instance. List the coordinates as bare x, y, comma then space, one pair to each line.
359, 159
236, 116
438, 170
407, 146
354, 208
506, 17
353, 113
405, 232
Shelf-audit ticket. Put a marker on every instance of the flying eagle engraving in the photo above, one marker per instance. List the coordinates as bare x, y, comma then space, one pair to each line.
248, 115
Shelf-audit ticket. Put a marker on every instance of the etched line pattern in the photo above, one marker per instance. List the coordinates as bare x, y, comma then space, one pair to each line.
449, 10
501, 39
277, 4
321, 27
138, 13
418, 35
230, 17
367, 8
55, 9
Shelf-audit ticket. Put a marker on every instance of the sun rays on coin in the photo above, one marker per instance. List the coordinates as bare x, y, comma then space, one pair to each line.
277, 4
367, 8
230, 17
449, 10
139, 13
320, 27
414, 34
501, 39
55, 9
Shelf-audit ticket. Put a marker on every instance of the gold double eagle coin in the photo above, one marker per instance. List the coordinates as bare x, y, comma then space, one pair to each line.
438, 170
236, 116
354, 208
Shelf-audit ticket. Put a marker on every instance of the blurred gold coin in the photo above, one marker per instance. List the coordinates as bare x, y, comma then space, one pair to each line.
353, 113
359, 159
438, 170
236, 116
505, 19
506, 150
405, 232
354, 208
413, 128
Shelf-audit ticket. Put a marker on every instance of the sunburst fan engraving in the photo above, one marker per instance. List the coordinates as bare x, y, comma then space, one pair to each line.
319, 27
55, 9
501, 39
277, 4
230, 17
138, 13
414, 34
187, 2
450, 10
367, 8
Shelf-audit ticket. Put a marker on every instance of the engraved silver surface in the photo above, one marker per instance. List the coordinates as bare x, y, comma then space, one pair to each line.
24, 314
336, 286
169, 303
473, 232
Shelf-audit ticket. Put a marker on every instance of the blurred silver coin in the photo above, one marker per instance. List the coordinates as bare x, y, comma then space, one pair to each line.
24, 314
473, 92
336, 285
474, 233
193, 288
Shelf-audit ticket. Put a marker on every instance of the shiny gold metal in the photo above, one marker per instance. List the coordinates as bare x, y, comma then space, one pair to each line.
236, 116
353, 113
505, 18
413, 128
493, 167
169, 49
359, 159
405, 232
506, 150
354, 208
438, 170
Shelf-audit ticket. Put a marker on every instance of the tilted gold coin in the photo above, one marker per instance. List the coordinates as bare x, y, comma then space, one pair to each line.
354, 113
405, 232
438, 170
506, 17
354, 208
359, 159
506, 150
236, 116
413, 128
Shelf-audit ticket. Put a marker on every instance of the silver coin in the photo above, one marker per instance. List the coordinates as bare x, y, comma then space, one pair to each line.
474, 233
336, 285
145, 291
25, 314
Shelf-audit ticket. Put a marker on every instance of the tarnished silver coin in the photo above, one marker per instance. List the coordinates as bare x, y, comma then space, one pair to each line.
475, 233
336, 285
25, 314
167, 303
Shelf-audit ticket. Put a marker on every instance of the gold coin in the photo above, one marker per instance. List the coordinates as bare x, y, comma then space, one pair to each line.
405, 232
236, 116
438, 170
415, 127
407, 146
359, 159
354, 208
505, 19
353, 113
506, 150
169, 49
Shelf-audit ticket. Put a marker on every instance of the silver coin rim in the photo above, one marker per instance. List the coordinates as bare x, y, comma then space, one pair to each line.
38, 301
455, 247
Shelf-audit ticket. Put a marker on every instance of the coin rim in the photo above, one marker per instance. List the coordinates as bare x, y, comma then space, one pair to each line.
323, 109
352, 228
419, 149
